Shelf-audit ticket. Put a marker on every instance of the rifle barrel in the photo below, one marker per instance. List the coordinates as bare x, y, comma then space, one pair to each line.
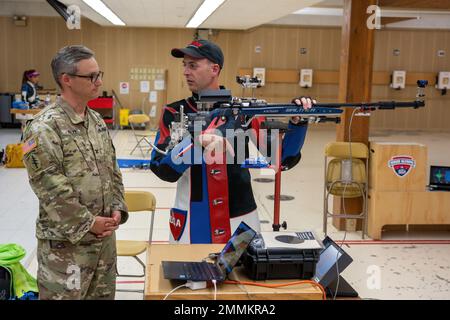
375, 105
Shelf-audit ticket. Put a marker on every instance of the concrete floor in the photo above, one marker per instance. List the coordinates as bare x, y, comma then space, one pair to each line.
379, 271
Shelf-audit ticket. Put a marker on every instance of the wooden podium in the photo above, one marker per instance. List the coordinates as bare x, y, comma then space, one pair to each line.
397, 188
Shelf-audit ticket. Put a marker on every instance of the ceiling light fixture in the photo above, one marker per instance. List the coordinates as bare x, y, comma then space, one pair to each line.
320, 11
203, 12
104, 11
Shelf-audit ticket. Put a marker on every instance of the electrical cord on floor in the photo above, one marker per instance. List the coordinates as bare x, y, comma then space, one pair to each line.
279, 285
175, 289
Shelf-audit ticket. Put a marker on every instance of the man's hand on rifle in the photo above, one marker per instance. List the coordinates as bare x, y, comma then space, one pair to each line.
306, 103
215, 146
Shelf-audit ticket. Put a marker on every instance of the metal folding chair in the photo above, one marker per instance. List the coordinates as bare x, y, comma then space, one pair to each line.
137, 202
346, 177
142, 139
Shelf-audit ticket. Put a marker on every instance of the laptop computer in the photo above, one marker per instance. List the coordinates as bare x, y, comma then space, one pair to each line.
207, 271
439, 178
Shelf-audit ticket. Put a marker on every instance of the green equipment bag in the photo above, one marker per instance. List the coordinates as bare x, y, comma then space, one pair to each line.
17, 283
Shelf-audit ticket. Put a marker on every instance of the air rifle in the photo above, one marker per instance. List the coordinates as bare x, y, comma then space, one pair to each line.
234, 112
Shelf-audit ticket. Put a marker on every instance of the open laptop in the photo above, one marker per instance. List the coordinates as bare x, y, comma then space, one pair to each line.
206, 271
439, 178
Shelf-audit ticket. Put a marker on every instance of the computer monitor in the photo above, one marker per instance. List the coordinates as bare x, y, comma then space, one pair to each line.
439, 178
326, 271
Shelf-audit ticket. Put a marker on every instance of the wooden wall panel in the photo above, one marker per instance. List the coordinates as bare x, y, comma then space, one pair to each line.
43, 44
233, 49
286, 55
418, 54
3, 52
118, 49
18, 54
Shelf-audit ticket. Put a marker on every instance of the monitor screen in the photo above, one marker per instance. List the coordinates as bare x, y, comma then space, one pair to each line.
327, 260
235, 247
440, 175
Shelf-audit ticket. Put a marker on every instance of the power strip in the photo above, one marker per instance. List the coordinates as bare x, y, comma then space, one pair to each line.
196, 285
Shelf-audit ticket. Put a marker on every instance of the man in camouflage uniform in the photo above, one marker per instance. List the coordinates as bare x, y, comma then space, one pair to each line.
73, 170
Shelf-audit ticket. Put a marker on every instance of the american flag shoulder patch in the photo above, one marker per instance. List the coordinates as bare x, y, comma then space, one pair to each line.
29, 145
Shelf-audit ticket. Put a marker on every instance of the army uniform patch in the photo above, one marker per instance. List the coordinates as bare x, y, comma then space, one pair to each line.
35, 162
29, 145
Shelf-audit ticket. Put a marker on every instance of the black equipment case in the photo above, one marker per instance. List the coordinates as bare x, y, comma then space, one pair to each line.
263, 263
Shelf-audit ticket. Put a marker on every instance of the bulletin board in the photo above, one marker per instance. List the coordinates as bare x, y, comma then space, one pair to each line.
149, 83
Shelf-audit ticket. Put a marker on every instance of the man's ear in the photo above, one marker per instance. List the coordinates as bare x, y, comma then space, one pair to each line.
65, 79
216, 68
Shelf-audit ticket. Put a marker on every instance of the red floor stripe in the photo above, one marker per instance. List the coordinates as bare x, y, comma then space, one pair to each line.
363, 242
371, 242
382, 242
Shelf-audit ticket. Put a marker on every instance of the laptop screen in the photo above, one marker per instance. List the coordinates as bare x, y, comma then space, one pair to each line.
235, 247
440, 176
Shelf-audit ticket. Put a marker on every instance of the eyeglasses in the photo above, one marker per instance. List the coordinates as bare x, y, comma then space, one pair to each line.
93, 76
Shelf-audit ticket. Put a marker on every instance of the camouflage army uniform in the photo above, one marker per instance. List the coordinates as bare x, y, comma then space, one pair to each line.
73, 170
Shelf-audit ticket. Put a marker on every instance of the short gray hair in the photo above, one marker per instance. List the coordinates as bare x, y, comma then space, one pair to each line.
67, 58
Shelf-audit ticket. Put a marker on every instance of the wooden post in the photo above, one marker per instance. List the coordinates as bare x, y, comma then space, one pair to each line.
355, 83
